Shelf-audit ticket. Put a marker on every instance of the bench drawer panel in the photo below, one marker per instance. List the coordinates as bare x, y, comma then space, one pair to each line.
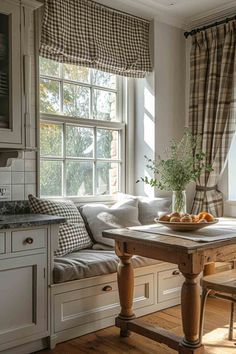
28, 240
169, 284
2, 242
94, 303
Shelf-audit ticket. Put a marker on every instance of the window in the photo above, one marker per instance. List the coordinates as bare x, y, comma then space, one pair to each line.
81, 131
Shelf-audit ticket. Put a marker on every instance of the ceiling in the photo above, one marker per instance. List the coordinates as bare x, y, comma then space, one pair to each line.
187, 8
176, 12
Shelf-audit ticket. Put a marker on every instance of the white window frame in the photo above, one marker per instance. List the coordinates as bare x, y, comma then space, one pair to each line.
120, 126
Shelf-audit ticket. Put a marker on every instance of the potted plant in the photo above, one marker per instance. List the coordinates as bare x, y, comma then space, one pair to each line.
184, 163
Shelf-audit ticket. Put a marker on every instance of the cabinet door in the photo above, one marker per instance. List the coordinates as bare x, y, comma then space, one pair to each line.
11, 126
23, 302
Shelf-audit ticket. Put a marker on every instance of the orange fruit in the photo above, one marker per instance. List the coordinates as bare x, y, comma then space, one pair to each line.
209, 217
164, 218
202, 215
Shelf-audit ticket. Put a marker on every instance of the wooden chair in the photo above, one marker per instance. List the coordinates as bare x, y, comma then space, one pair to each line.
224, 287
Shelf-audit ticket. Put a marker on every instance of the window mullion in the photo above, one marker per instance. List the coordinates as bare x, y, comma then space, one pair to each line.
91, 94
95, 163
64, 161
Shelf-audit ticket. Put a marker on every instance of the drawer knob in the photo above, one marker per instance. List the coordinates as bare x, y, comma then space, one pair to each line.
107, 288
29, 240
176, 272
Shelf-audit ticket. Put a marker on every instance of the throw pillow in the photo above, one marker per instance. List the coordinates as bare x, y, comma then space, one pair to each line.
73, 235
100, 217
149, 208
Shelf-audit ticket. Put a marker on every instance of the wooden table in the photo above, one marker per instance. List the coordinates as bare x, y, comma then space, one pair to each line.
190, 257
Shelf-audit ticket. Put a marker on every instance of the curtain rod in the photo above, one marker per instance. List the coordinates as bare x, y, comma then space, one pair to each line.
120, 11
217, 23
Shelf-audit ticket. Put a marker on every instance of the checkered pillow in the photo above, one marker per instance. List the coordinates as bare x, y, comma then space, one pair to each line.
73, 235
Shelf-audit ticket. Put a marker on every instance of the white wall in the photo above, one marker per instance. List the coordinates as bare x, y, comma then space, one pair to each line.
163, 116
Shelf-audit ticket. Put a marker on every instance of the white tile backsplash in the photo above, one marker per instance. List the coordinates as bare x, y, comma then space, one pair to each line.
5, 177
30, 165
18, 165
30, 189
30, 155
18, 192
17, 177
5, 169
30, 177
21, 176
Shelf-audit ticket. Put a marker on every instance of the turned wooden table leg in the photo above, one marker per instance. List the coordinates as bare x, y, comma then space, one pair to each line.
125, 278
190, 307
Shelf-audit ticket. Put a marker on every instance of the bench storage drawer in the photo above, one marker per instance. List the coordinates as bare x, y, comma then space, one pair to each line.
94, 303
169, 284
2, 242
28, 240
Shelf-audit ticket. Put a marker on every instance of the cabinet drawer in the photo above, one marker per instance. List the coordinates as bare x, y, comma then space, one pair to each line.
2, 243
169, 284
94, 303
28, 240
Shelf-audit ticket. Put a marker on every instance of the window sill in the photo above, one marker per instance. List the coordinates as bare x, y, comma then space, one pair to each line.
84, 200
230, 202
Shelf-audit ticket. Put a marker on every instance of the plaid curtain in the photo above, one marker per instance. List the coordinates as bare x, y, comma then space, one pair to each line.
86, 33
213, 107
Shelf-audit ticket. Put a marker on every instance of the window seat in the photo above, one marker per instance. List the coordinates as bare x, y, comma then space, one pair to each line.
90, 263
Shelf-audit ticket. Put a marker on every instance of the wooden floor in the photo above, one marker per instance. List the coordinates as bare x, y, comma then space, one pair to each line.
107, 341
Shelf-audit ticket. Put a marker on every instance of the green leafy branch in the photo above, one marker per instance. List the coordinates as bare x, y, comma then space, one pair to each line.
185, 163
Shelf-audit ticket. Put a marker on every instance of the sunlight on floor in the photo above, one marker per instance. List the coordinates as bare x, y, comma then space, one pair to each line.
217, 342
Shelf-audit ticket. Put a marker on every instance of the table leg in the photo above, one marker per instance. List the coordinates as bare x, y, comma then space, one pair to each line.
190, 307
125, 277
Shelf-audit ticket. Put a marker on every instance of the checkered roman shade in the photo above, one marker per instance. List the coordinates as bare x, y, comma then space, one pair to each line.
73, 235
85, 33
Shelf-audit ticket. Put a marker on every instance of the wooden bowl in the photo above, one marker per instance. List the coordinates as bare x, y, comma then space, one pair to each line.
185, 226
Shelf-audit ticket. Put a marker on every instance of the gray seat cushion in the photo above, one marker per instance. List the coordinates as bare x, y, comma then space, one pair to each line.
90, 263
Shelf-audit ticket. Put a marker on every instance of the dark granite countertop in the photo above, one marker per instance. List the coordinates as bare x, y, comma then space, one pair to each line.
12, 221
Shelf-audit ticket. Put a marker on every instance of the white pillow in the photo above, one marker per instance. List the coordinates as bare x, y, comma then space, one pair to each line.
100, 217
149, 208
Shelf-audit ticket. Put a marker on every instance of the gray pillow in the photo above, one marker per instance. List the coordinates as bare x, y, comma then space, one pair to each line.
149, 208
99, 217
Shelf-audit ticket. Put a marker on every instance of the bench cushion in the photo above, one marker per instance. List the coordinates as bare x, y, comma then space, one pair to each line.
91, 263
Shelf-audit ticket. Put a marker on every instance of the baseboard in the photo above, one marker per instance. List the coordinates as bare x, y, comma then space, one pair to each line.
28, 348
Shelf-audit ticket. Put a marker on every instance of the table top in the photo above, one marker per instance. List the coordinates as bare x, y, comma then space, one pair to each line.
167, 242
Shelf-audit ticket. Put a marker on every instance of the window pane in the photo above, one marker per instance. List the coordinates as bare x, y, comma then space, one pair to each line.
107, 178
51, 139
79, 178
75, 73
49, 96
107, 144
76, 101
48, 67
104, 105
79, 141
51, 178
100, 78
